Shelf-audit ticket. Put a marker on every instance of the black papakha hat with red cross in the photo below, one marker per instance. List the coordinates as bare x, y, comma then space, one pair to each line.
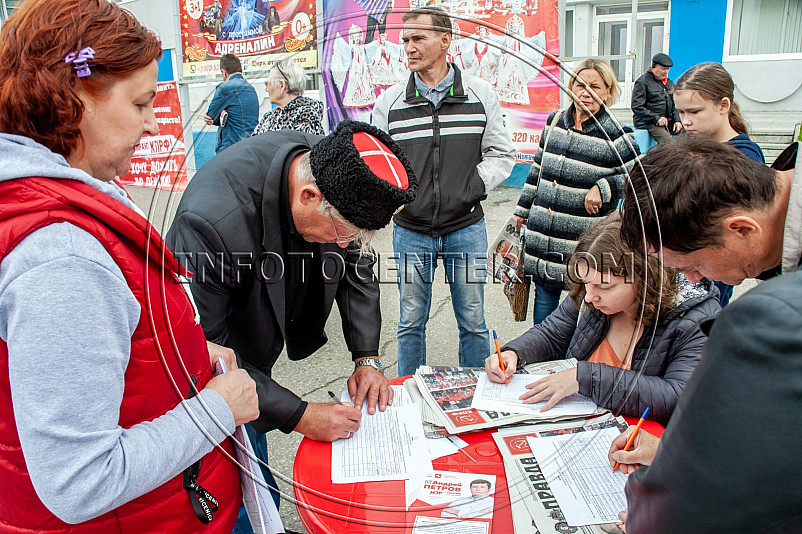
363, 173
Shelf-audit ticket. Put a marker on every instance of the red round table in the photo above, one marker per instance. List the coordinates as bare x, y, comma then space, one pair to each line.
378, 507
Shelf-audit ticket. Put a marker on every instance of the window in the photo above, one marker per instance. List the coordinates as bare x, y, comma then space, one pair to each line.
568, 34
8, 7
622, 9
766, 27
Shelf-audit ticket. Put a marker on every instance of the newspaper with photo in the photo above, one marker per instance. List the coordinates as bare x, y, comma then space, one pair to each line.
504, 254
448, 392
452, 502
526, 479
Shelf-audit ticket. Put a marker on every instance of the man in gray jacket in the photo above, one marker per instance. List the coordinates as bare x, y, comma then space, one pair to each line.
451, 128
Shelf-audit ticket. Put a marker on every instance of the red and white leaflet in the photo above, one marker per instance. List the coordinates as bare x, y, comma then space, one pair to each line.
447, 501
160, 160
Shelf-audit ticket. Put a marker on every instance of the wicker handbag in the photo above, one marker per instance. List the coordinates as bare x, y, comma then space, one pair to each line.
518, 292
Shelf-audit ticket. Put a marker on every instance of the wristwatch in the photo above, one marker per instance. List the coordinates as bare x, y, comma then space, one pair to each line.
371, 362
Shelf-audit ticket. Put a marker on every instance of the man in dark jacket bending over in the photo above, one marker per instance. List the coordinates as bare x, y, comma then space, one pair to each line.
267, 228
727, 461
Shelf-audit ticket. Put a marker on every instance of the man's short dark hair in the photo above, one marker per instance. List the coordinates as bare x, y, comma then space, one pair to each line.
440, 19
693, 183
482, 481
230, 63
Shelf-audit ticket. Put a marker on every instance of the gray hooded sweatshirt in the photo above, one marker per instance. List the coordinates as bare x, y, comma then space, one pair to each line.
67, 315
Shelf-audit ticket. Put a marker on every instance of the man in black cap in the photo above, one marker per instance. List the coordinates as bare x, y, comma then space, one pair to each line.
268, 229
653, 101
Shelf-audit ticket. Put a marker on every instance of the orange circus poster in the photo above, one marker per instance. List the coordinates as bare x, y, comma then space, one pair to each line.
259, 32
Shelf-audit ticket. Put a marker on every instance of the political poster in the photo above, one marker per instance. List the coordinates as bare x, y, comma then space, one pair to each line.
160, 160
505, 42
259, 32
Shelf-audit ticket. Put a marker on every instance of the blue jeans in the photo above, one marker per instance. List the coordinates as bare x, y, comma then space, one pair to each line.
464, 255
546, 301
259, 442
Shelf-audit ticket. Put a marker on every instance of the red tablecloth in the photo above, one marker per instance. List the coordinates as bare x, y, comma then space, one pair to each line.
378, 507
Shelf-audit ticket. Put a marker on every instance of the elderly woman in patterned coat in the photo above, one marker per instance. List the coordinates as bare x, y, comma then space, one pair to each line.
285, 86
582, 173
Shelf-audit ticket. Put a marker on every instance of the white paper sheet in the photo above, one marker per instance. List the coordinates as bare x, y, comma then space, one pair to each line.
256, 497
389, 445
500, 397
437, 525
400, 398
580, 477
439, 447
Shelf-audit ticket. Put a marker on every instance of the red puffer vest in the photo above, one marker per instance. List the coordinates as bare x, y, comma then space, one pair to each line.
167, 348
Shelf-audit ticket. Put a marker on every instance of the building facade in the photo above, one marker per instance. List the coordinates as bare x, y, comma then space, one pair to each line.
758, 41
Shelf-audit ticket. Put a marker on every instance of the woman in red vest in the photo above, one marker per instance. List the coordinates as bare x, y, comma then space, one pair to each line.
110, 419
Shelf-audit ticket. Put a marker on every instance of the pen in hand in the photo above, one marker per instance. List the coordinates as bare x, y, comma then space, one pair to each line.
632, 436
336, 399
500, 359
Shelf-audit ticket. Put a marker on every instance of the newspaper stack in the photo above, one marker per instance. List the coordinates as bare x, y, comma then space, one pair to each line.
444, 395
504, 253
534, 507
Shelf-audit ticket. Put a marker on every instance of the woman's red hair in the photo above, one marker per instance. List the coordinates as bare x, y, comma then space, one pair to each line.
38, 90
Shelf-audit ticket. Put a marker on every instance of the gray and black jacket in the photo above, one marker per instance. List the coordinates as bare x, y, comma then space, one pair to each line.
602, 153
663, 361
459, 150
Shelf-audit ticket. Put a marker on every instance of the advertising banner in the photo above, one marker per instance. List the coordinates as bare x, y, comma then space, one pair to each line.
501, 41
160, 161
259, 32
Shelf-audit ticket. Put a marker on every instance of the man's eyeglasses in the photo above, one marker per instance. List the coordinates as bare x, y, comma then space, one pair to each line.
341, 240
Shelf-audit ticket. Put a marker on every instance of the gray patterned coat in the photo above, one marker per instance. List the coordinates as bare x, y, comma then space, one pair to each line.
575, 160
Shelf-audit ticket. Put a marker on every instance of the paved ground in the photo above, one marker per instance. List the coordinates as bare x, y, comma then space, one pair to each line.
331, 366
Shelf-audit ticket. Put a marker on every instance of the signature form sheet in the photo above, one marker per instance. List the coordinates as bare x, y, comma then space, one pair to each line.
500, 397
389, 445
580, 476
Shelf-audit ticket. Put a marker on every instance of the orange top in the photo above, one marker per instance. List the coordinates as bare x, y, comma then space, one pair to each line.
604, 353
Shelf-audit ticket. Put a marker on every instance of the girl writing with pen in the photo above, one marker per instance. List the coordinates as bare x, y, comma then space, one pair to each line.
636, 338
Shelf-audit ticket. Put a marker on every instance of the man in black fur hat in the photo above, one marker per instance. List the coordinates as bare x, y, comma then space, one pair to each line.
275, 229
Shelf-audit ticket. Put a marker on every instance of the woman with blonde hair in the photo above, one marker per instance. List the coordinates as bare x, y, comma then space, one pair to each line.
577, 177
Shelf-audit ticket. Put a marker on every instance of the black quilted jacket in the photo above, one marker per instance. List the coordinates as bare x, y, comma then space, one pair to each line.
664, 357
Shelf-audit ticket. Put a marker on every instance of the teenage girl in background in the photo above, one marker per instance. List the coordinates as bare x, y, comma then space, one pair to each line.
704, 98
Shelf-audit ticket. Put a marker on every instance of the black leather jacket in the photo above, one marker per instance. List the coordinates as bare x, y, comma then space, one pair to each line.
652, 100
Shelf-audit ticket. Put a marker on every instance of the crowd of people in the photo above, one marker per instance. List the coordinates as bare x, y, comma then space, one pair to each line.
108, 366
